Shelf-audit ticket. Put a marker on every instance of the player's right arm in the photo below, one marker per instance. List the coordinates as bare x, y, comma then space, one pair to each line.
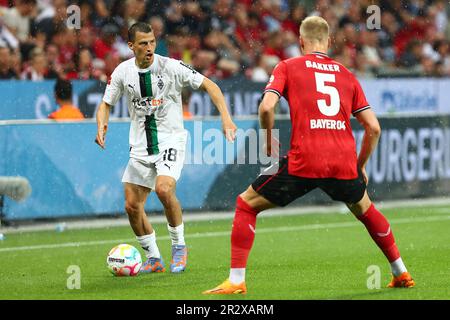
266, 111
113, 92
372, 132
102, 123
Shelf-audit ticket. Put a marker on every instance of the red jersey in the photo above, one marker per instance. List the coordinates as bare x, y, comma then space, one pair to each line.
322, 95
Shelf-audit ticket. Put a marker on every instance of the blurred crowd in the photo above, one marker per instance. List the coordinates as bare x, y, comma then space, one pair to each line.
220, 38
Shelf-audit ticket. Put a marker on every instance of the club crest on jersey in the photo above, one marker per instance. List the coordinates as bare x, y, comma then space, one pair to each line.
160, 84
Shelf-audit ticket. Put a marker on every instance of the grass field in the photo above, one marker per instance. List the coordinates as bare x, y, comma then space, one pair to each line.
314, 256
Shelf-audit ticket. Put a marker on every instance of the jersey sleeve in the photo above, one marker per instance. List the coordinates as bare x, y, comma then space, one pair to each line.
114, 88
277, 81
188, 76
359, 98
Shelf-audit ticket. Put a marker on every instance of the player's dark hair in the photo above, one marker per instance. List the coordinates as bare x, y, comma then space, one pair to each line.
29, 2
63, 89
138, 27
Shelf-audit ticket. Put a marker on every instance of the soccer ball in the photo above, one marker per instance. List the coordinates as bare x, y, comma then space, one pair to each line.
124, 260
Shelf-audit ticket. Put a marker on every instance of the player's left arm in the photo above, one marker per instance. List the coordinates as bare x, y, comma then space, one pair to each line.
372, 132
362, 111
216, 95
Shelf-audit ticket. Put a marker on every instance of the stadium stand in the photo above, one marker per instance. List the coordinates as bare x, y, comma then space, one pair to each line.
221, 38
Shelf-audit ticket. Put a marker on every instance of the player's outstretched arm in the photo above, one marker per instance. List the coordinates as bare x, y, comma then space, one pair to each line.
102, 123
267, 120
216, 95
372, 132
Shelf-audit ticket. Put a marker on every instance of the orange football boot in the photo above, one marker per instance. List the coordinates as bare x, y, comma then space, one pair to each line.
402, 281
228, 288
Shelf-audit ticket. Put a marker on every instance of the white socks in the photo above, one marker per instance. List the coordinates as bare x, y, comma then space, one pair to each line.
398, 267
237, 275
177, 234
148, 243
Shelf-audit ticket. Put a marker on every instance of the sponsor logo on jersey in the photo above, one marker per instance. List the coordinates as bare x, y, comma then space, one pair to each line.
146, 104
131, 89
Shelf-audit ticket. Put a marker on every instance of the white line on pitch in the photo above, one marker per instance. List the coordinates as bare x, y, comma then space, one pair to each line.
226, 233
103, 222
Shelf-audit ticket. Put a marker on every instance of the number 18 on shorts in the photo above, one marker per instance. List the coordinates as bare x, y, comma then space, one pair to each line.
144, 170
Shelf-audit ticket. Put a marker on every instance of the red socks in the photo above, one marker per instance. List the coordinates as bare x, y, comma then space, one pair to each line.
242, 233
380, 231
244, 223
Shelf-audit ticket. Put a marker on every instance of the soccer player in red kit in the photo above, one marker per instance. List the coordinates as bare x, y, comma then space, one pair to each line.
322, 95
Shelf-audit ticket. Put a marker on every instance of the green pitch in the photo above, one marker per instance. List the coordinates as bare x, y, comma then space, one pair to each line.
316, 256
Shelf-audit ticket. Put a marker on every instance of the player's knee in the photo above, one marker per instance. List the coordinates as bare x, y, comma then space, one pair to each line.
132, 208
360, 207
248, 194
255, 201
164, 191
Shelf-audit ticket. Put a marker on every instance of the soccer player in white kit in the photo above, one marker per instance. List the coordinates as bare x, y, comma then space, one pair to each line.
153, 85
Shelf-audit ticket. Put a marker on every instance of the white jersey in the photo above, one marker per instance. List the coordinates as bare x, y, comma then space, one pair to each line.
154, 102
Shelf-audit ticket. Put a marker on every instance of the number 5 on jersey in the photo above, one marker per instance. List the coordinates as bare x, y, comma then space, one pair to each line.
335, 102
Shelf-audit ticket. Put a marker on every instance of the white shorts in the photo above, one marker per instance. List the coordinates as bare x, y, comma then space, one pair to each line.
144, 170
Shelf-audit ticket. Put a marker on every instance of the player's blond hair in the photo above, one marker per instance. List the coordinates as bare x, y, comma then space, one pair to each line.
315, 29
